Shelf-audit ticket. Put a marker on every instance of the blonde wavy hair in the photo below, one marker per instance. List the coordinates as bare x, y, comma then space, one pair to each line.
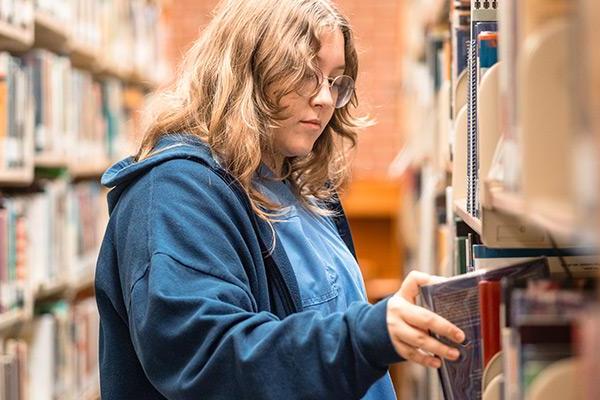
224, 95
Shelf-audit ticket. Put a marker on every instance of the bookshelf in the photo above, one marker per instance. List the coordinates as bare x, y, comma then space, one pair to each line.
88, 170
503, 140
558, 221
461, 211
49, 160
10, 319
16, 178
72, 75
50, 33
83, 57
15, 38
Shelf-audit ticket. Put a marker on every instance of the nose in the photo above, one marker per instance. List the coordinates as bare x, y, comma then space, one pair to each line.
324, 97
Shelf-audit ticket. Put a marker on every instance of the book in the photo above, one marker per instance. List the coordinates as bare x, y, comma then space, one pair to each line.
543, 316
457, 300
581, 261
489, 305
538, 319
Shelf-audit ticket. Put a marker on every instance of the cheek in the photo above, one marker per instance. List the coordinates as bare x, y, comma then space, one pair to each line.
330, 115
291, 102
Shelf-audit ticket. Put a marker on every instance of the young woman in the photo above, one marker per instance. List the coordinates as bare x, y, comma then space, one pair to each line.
227, 270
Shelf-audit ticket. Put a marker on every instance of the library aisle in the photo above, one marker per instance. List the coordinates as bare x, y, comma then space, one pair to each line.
501, 170
483, 168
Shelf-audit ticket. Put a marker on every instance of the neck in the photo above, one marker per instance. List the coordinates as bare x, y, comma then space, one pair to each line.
275, 163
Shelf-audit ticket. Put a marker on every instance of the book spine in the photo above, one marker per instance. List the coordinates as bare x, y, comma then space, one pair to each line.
489, 305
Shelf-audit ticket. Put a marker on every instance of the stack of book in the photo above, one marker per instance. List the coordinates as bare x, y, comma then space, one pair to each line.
63, 351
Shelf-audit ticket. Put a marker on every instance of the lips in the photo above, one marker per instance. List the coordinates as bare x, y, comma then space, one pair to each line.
314, 122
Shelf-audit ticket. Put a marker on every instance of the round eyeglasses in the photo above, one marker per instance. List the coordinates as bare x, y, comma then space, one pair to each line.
341, 88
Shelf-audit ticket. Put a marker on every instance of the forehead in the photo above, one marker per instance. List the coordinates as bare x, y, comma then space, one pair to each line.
332, 54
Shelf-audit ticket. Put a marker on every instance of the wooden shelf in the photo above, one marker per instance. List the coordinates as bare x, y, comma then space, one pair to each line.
50, 289
552, 217
22, 177
84, 57
76, 170
558, 220
49, 160
85, 278
110, 68
11, 318
86, 274
461, 211
50, 33
83, 284
89, 170
139, 79
508, 202
66, 289
15, 38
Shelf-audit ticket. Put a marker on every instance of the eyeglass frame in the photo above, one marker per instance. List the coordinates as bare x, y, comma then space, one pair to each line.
330, 82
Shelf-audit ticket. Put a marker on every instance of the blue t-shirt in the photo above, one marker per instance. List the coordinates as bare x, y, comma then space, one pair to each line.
329, 277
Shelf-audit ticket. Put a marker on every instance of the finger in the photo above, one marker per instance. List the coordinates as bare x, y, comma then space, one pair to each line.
414, 280
421, 340
426, 320
410, 353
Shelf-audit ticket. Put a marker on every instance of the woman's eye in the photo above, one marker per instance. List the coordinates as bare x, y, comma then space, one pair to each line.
311, 80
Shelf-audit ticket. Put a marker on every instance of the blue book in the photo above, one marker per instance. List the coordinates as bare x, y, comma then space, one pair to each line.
581, 261
457, 300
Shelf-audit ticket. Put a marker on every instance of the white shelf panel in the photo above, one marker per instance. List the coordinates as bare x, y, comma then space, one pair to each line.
461, 212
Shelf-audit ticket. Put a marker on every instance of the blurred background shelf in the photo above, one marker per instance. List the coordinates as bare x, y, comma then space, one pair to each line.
88, 170
83, 56
17, 39
16, 178
49, 160
69, 101
9, 319
50, 33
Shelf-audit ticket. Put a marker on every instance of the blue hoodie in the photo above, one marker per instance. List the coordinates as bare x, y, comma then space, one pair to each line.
193, 305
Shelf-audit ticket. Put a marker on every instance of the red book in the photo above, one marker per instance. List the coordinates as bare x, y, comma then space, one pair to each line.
489, 305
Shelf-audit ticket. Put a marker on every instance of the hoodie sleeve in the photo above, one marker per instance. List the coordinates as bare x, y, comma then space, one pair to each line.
194, 322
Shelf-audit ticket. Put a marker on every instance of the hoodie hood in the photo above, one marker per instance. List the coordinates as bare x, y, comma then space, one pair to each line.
170, 147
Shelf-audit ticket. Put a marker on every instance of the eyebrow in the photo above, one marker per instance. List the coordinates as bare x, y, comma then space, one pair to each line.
341, 67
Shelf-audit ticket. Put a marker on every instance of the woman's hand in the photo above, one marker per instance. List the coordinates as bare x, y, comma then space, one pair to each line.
408, 325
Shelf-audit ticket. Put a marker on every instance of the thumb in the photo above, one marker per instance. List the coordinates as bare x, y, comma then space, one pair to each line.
414, 280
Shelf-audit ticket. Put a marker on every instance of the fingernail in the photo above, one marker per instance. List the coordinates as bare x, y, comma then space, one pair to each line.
453, 354
435, 364
459, 336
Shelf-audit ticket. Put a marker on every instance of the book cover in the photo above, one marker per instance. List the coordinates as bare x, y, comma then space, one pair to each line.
489, 305
457, 300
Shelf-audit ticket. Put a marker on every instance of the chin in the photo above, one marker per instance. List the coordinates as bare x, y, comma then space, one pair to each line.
300, 151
